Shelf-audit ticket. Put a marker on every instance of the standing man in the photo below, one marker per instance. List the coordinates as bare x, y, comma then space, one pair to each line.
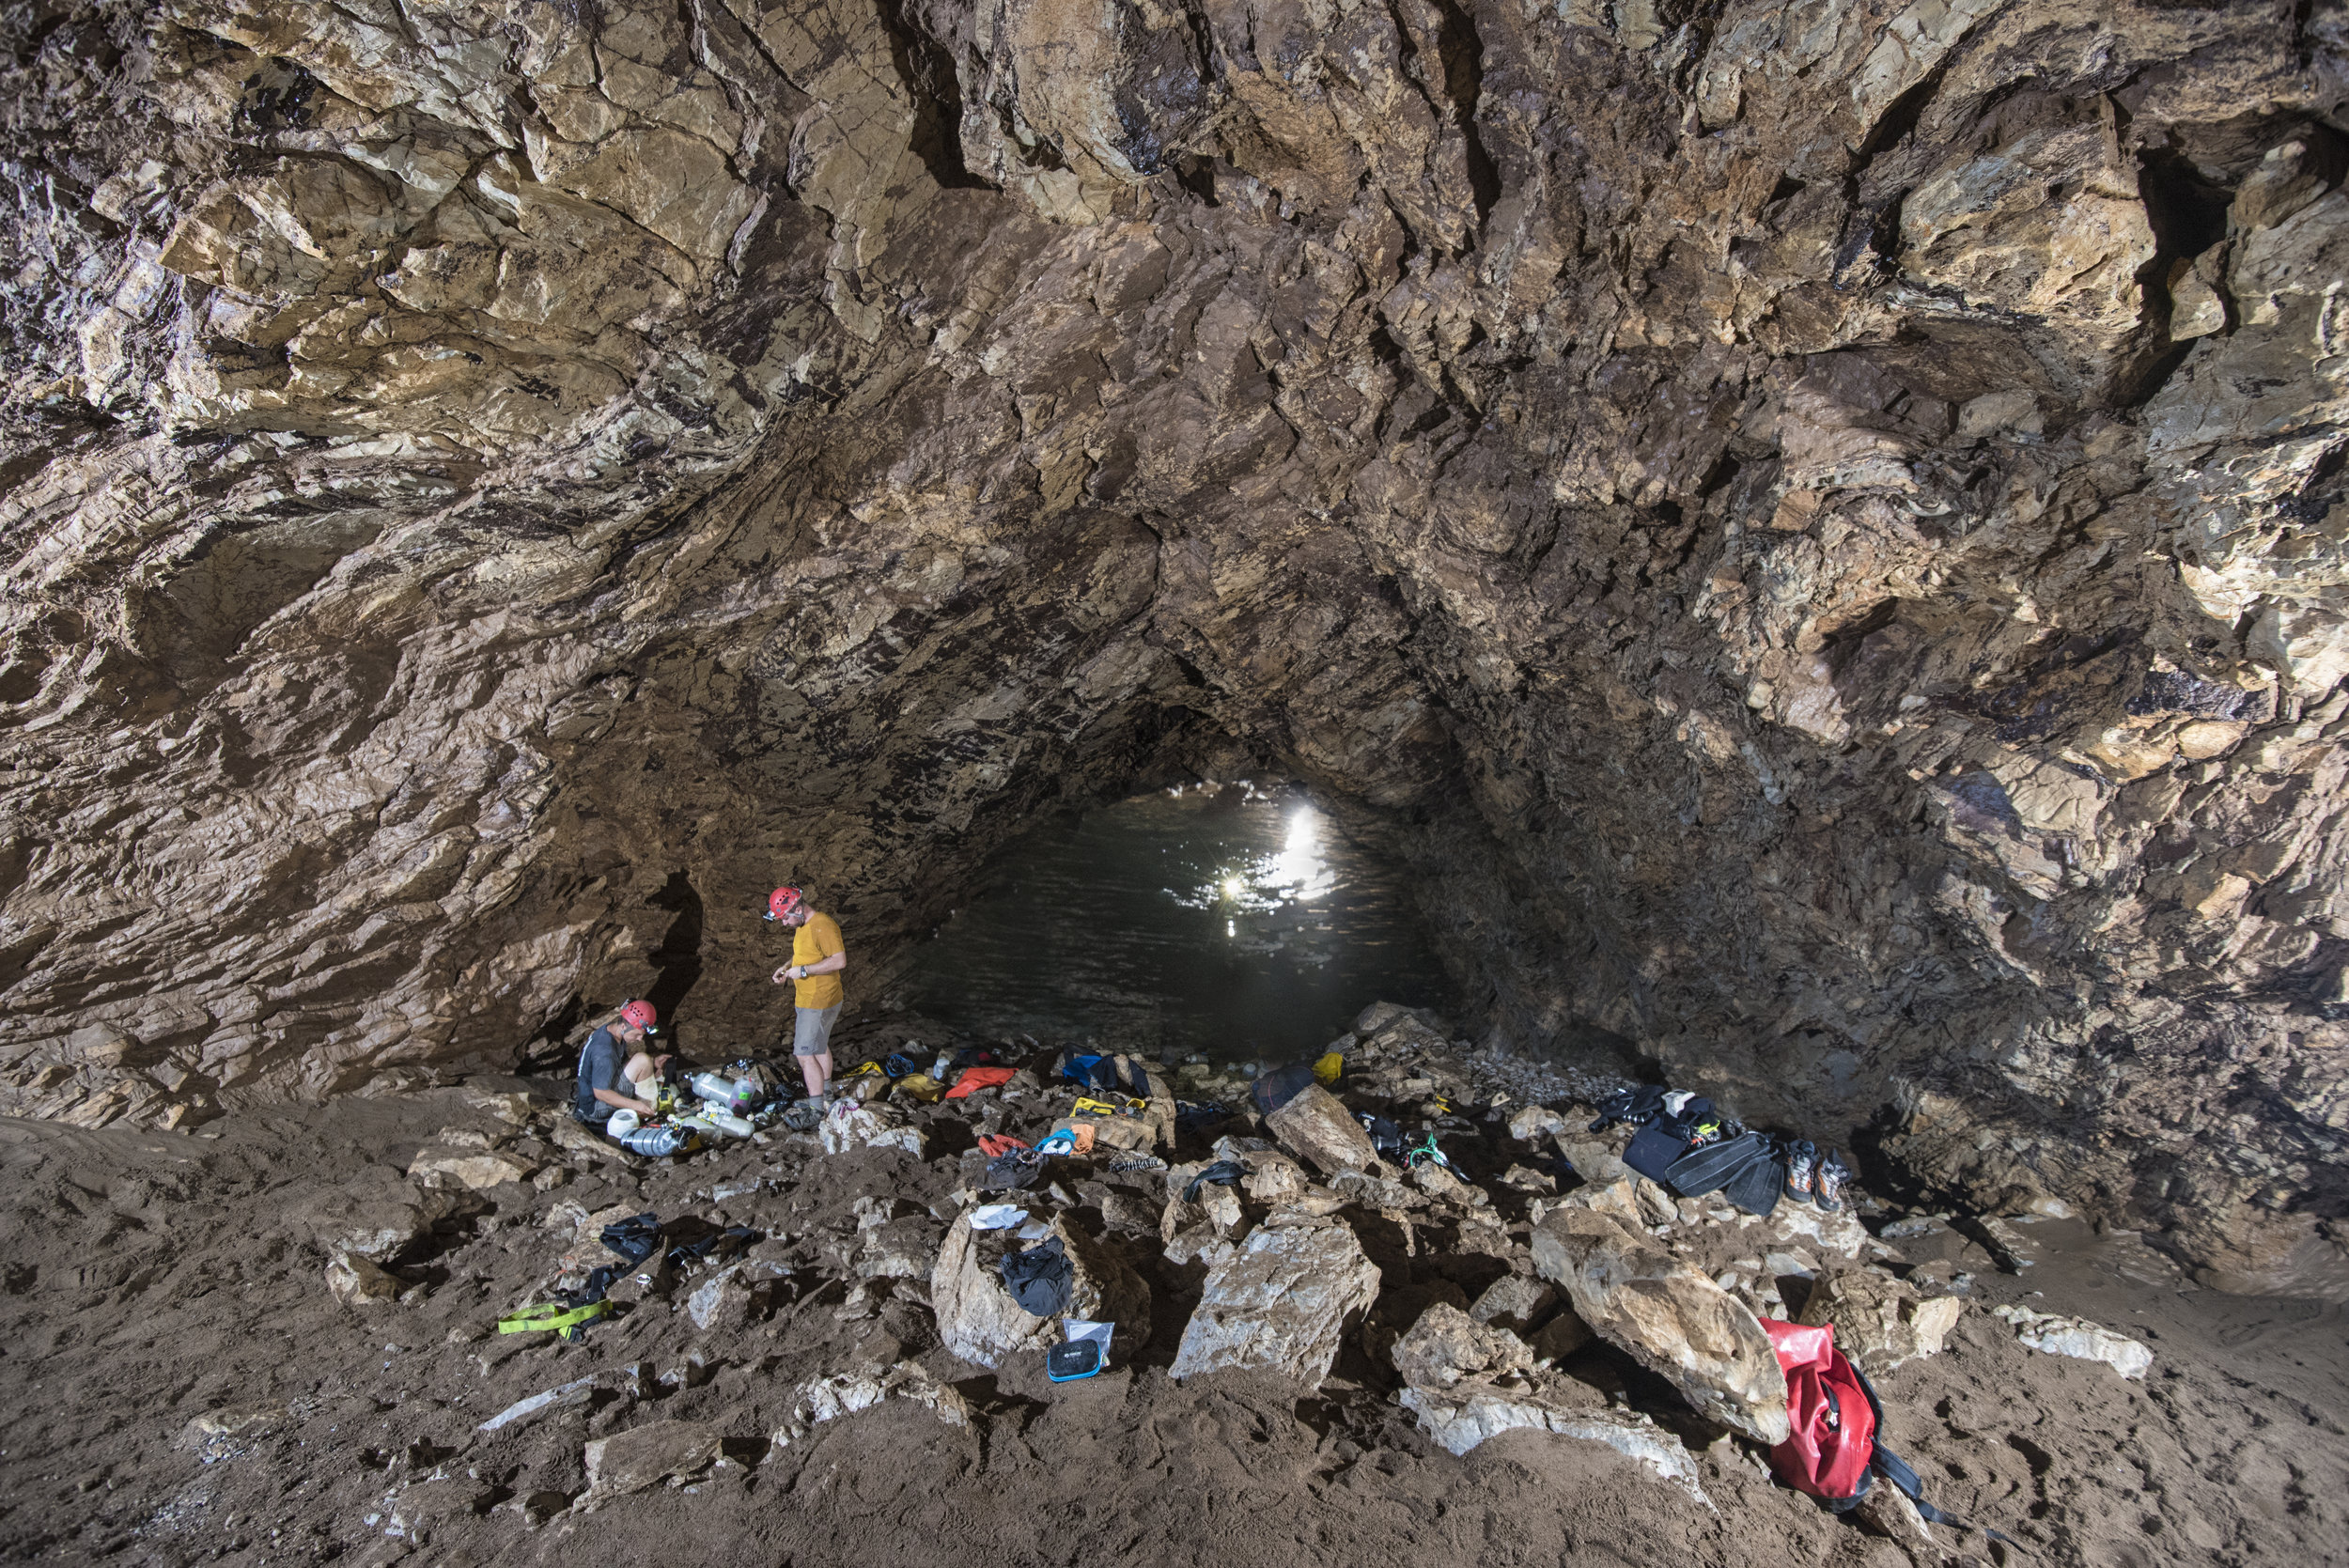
818, 956
605, 1085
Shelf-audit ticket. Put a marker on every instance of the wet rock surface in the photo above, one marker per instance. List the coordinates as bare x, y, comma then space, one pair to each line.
1817, 533
794, 1389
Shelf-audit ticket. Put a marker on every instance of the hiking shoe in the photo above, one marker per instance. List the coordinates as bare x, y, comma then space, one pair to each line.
1802, 1165
1834, 1175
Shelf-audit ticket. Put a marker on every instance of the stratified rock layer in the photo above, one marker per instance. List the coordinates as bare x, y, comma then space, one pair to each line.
1818, 530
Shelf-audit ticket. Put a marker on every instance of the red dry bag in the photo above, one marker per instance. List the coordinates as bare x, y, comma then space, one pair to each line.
1832, 1416
1831, 1449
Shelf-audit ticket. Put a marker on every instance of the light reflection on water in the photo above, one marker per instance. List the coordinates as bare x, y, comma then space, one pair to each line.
1235, 922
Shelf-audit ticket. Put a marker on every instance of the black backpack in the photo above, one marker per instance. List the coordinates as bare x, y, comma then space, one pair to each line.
1666, 1138
1278, 1087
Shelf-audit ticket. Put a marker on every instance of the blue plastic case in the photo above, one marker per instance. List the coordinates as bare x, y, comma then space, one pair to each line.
1071, 1359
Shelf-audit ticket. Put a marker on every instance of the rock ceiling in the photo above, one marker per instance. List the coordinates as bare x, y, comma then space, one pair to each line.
1818, 528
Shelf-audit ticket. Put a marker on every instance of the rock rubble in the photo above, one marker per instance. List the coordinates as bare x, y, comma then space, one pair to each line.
816, 1330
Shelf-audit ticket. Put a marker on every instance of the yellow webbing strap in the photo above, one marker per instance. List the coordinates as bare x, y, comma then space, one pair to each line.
552, 1314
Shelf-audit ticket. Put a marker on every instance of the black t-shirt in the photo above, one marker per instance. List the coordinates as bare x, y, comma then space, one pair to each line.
601, 1064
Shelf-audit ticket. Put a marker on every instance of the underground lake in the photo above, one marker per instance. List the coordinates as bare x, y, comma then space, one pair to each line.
1232, 921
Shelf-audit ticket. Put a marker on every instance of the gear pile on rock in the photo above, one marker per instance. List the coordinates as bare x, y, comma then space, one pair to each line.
1498, 1269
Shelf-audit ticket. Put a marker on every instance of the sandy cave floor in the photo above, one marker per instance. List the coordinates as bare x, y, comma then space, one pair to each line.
185, 1389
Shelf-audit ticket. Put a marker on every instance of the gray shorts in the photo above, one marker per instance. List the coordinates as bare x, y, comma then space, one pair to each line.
812, 1035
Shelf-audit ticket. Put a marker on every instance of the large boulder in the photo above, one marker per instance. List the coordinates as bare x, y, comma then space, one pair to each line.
379, 1217
1881, 1321
1442, 1185
1838, 1232
979, 1321
1670, 1317
1282, 1302
572, 1138
510, 1106
1273, 1179
1318, 1125
1387, 1194
902, 1249
380, 1229
1618, 1199
1528, 1123
1592, 1159
1160, 1118
731, 1297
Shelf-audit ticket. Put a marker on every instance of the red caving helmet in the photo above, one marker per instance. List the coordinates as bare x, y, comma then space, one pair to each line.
780, 902
640, 1015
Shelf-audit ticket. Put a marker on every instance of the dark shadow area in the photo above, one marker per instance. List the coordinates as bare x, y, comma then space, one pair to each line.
677, 961
552, 1050
1462, 53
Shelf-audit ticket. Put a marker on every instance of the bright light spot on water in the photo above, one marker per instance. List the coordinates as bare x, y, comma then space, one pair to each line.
1300, 872
1231, 928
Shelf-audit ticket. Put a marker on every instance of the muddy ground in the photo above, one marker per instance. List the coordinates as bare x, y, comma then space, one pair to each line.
186, 1389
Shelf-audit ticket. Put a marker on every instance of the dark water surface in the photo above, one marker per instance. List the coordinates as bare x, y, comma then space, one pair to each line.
1233, 922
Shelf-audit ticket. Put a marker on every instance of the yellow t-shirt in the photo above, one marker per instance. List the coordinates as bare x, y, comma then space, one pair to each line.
812, 943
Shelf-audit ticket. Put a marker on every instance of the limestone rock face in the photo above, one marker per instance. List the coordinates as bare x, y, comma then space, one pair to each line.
1670, 1317
1821, 544
1282, 1302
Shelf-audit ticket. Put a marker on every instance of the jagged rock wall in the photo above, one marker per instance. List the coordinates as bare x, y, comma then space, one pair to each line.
1818, 528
